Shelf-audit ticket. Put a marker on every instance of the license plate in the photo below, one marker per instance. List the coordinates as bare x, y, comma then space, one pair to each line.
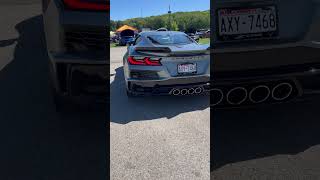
187, 68
248, 23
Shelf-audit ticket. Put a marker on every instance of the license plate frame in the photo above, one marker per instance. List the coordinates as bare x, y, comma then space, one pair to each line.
248, 35
182, 72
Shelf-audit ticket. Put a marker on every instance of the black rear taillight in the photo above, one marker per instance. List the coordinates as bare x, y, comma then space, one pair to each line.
98, 5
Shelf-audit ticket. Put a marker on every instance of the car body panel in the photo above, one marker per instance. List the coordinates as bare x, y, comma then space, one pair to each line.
75, 38
293, 54
171, 56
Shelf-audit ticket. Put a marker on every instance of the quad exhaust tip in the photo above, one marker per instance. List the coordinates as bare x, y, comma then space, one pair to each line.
282, 91
185, 91
237, 95
259, 94
217, 96
198, 90
175, 92
191, 91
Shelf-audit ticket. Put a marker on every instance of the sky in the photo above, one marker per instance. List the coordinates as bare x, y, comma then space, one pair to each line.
125, 9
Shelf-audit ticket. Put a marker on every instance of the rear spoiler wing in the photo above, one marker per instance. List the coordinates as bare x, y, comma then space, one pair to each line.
166, 51
153, 49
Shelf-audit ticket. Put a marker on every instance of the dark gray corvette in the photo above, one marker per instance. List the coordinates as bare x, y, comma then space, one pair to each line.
166, 63
76, 41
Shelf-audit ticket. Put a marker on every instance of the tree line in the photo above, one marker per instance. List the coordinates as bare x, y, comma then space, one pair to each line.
179, 21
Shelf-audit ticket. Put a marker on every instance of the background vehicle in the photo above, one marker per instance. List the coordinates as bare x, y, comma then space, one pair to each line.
76, 40
166, 63
266, 57
194, 37
124, 40
202, 33
162, 29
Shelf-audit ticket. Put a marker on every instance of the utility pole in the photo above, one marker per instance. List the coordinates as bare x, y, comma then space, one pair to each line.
141, 13
169, 12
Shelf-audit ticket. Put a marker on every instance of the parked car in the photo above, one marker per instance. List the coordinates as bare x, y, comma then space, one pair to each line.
201, 33
265, 52
114, 39
166, 63
124, 40
193, 36
162, 29
75, 33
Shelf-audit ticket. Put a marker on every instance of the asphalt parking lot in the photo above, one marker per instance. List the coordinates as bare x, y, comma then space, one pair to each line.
156, 137
272, 142
151, 138
37, 142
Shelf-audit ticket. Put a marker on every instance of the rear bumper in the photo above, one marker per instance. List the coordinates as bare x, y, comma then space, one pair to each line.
306, 82
163, 86
76, 46
168, 81
79, 78
163, 90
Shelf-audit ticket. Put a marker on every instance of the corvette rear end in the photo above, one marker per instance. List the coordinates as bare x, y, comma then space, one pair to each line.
265, 51
77, 44
155, 67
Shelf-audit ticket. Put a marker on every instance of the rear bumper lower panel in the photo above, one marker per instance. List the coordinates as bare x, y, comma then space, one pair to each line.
307, 83
165, 90
79, 77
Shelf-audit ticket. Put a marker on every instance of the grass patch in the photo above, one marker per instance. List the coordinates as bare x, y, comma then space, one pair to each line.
112, 45
204, 41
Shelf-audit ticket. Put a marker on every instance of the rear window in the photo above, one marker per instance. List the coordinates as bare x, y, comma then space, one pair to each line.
168, 39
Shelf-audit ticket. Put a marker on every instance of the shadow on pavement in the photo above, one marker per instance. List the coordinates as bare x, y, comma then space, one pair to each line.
37, 142
241, 135
124, 110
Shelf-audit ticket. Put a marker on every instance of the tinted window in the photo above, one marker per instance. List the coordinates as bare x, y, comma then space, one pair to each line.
166, 39
138, 39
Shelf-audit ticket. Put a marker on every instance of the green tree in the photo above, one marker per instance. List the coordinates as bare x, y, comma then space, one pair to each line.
182, 21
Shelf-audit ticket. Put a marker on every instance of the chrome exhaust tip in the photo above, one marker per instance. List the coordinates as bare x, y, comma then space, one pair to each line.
237, 95
184, 92
175, 92
282, 91
198, 90
259, 94
191, 91
217, 96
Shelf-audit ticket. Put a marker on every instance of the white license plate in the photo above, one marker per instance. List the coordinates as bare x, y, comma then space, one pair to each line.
247, 21
187, 68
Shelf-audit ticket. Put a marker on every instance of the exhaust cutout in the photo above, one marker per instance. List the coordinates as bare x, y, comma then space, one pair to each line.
237, 95
216, 96
259, 94
184, 92
175, 92
282, 91
191, 91
198, 90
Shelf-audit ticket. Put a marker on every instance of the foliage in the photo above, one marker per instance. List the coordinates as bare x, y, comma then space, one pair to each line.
182, 21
